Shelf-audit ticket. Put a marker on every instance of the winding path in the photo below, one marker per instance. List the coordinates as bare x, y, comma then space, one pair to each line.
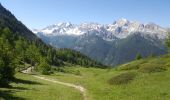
80, 88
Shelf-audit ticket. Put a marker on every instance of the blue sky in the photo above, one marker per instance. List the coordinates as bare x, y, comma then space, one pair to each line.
41, 13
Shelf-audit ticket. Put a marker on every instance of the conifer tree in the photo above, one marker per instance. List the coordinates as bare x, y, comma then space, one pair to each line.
44, 67
168, 41
138, 56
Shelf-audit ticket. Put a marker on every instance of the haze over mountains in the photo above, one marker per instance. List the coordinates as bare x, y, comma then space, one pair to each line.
110, 44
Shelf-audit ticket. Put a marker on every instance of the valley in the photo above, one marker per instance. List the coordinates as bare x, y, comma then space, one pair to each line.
124, 60
110, 41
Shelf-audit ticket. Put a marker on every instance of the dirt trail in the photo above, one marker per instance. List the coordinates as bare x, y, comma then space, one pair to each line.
80, 88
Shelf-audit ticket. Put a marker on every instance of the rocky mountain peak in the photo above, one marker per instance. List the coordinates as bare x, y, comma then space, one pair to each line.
122, 22
120, 29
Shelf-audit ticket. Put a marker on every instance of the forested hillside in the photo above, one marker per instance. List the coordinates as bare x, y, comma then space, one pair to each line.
19, 46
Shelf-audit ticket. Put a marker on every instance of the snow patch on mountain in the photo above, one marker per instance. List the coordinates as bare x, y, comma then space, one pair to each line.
119, 29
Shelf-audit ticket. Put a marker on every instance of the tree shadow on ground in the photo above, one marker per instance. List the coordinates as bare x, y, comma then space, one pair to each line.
17, 88
16, 80
8, 95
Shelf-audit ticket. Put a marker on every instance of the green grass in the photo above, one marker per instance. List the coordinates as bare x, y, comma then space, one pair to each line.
144, 86
151, 84
29, 88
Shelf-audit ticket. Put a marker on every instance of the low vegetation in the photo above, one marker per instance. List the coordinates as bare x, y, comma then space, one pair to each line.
123, 78
151, 67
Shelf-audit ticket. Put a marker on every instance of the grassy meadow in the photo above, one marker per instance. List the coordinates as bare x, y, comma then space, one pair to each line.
145, 79
150, 81
28, 87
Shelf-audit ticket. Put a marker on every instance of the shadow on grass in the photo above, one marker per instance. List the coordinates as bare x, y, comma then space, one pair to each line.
7, 95
18, 88
16, 80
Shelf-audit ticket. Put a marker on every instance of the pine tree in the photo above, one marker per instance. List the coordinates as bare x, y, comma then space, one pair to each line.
6, 62
44, 67
33, 54
168, 41
138, 56
50, 56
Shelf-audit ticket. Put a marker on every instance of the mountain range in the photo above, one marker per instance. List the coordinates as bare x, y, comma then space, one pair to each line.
111, 44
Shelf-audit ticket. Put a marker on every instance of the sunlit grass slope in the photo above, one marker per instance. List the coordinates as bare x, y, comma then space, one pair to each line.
27, 87
145, 79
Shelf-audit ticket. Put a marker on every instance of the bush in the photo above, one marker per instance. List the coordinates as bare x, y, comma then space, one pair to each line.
138, 56
168, 64
77, 72
123, 78
168, 41
150, 68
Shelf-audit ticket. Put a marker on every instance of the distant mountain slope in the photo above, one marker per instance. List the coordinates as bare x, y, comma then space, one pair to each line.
126, 50
110, 44
119, 29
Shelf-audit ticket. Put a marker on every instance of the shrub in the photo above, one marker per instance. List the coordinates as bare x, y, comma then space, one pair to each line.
77, 72
168, 64
138, 56
150, 68
123, 78
168, 41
